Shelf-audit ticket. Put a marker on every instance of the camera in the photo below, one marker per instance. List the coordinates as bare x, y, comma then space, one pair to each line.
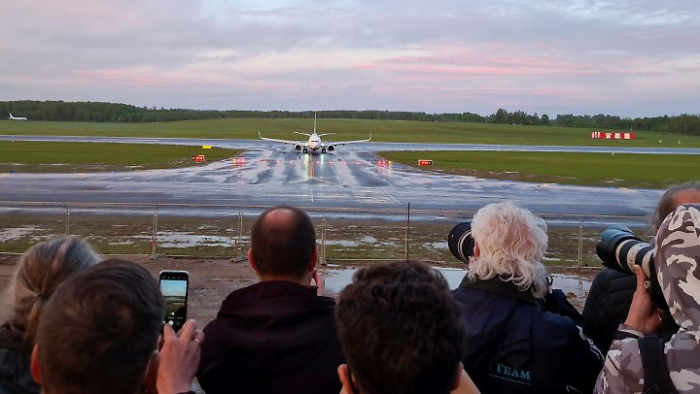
620, 249
461, 242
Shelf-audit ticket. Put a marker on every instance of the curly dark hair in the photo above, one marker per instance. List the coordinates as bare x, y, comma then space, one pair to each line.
400, 329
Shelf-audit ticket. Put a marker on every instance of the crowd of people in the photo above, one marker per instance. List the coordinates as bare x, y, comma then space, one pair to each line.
73, 323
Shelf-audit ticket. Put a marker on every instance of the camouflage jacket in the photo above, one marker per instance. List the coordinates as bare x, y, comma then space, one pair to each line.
677, 265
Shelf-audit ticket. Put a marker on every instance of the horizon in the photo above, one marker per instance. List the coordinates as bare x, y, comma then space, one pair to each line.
632, 59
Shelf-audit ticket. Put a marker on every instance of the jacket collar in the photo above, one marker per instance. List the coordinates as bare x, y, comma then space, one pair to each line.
499, 286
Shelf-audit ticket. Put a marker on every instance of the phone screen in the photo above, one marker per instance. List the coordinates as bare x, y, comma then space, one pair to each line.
173, 286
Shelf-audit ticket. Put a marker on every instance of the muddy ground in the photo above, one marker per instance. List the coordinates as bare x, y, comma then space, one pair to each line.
211, 280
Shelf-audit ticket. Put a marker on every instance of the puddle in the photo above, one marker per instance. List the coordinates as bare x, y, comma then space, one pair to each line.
11, 234
187, 240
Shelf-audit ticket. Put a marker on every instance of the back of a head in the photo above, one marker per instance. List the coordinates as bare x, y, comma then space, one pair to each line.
685, 193
512, 242
39, 272
99, 330
283, 240
677, 264
400, 329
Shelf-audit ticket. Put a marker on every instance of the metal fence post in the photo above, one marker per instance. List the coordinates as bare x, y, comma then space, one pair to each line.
408, 226
580, 244
67, 219
154, 240
239, 240
323, 241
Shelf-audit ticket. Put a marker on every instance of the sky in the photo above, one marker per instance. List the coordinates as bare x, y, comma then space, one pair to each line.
632, 58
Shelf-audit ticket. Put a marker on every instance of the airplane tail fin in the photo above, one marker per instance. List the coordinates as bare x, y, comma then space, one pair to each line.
314, 122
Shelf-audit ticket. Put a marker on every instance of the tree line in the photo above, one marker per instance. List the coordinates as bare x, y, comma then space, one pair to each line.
110, 112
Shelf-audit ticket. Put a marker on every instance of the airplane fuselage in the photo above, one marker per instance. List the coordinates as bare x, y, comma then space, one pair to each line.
314, 142
16, 117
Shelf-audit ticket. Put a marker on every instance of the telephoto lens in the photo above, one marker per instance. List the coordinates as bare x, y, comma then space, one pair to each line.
461, 242
620, 249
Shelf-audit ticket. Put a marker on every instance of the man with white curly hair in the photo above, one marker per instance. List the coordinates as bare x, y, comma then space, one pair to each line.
513, 344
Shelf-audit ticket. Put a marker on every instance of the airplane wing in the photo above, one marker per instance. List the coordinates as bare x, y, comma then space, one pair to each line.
302, 143
350, 142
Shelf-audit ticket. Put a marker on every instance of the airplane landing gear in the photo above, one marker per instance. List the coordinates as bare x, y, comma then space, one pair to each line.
305, 150
323, 150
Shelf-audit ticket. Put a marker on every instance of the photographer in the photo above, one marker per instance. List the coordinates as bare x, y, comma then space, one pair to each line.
513, 345
632, 365
611, 293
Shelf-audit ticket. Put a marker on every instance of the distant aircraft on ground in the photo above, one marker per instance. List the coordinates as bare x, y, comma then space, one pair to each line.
16, 117
314, 143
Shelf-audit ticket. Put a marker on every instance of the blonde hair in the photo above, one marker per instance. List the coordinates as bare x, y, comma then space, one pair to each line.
40, 270
512, 242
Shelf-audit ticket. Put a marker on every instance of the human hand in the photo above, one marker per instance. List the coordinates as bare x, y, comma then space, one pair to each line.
643, 314
317, 281
179, 358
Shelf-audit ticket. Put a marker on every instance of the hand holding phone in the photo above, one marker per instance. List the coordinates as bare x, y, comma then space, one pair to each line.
174, 286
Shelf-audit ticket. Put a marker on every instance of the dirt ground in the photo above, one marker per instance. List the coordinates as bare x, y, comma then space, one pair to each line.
210, 280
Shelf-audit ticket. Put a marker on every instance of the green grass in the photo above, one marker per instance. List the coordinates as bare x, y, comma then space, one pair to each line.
623, 170
85, 157
347, 129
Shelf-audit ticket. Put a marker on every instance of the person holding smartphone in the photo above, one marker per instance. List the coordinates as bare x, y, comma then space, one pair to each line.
101, 333
278, 335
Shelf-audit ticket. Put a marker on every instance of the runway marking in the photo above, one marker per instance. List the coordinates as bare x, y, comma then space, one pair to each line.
392, 197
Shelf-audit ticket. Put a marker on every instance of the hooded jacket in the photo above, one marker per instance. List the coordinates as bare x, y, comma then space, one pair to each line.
677, 266
272, 337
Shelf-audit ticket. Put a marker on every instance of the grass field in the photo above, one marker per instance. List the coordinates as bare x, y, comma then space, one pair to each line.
624, 170
88, 157
348, 129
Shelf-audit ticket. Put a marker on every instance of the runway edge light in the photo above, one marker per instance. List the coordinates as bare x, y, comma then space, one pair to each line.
425, 162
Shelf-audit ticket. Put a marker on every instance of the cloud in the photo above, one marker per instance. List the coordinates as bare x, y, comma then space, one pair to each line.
627, 57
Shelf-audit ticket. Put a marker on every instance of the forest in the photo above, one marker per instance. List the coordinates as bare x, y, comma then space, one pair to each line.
112, 112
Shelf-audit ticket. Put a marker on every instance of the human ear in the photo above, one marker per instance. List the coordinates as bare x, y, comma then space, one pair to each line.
345, 379
35, 366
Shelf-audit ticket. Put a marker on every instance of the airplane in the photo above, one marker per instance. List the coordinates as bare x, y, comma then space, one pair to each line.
16, 117
314, 143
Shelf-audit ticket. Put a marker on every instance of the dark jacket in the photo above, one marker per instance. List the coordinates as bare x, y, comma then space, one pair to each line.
272, 337
513, 346
608, 302
15, 372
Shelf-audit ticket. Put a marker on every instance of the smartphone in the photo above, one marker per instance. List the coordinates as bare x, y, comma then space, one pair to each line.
173, 286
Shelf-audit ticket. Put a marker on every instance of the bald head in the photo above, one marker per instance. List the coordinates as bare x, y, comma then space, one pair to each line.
283, 242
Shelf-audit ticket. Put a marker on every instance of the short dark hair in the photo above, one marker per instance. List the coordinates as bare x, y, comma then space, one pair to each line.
98, 331
283, 247
400, 329
667, 203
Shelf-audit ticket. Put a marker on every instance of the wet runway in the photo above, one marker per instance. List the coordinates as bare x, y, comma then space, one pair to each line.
351, 181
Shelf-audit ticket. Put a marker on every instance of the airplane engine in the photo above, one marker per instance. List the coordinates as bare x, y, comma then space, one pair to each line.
297, 147
330, 148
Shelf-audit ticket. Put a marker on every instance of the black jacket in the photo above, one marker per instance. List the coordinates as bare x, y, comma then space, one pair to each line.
608, 302
514, 346
15, 372
272, 337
